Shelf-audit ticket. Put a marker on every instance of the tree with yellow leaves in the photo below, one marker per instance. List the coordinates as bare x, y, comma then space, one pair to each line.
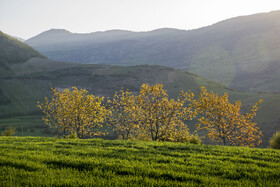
74, 112
162, 118
224, 122
125, 113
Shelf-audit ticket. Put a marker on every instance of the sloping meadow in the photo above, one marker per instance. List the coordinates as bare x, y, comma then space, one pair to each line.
38, 161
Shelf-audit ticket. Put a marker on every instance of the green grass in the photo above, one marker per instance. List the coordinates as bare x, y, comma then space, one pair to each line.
38, 161
26, 125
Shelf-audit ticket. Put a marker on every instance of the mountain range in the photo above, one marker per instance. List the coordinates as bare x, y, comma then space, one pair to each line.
241, 53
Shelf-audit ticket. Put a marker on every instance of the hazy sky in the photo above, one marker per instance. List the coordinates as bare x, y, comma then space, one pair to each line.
27, 18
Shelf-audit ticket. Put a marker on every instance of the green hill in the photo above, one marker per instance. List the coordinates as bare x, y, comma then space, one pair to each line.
12, 52
35, 161
242, 52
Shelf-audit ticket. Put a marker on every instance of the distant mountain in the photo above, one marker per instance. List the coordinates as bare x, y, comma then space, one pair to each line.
242, 52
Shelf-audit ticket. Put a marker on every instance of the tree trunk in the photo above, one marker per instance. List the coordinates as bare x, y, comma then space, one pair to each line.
224, 140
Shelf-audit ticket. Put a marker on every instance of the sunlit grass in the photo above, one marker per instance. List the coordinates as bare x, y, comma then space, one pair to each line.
37, 161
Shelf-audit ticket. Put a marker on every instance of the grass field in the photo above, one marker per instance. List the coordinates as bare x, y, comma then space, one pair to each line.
38, 161
26, 125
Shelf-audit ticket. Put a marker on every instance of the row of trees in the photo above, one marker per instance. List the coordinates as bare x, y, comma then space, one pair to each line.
151, 115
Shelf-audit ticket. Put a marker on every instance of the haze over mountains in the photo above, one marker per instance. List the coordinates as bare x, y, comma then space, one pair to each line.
242, 53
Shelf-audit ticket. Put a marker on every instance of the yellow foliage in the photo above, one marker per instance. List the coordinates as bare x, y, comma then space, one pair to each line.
224, 122
162, 118
151, 114
74, 111
124, 113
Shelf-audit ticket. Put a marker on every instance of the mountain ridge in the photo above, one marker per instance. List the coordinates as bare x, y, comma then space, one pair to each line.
245, 46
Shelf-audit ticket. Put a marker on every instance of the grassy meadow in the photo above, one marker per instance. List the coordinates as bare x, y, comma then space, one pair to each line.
40, 161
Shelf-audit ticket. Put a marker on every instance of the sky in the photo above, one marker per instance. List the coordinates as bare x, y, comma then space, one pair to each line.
27, 18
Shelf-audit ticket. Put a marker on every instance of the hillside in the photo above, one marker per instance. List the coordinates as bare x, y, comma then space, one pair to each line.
241, 52
33, 79
37, 161
12, 52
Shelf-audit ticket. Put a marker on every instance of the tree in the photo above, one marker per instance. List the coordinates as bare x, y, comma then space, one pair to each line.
9, 131
162, 118
125, 113
74, 112
274, 142
223, 120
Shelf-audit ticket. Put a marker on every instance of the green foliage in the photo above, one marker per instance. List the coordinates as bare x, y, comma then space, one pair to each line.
9, 131
185, 138
195, 139
72, 136
37, 161
274, 142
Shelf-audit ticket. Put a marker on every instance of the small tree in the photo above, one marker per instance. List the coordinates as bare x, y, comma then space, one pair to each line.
69, 112
124, 113
162, 118
224, 122
274, 142
9, 131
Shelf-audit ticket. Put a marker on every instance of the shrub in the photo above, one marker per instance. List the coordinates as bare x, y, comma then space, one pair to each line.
9, 131
184, 138
195, 140
72, 136
274, 142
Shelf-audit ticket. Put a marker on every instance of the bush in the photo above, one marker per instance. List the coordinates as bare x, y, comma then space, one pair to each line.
274, 142
9, 131
195, 140
72, 136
